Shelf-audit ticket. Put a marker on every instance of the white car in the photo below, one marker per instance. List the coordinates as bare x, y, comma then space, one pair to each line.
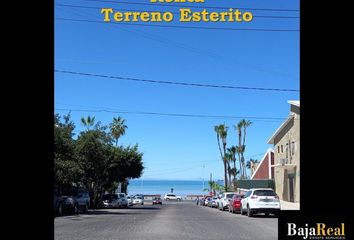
225, 200
123, 201
260, 200
110, 200
138, 200
171, 196
130, 200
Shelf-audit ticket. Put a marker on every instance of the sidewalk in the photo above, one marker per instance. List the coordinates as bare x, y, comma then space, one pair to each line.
284, 205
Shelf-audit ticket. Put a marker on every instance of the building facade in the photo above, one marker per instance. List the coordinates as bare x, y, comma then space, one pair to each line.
286, 141
264, 169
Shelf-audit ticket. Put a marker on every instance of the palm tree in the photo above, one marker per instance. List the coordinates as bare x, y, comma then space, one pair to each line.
118, 128
242, 125
250, 164
238, 128
245, 124
228, 160
88, 122
221, 134
232, 151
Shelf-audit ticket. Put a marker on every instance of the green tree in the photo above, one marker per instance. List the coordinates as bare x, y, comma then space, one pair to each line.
67, 171
93, 149
221, 135
215, 187
125, 163
118, 128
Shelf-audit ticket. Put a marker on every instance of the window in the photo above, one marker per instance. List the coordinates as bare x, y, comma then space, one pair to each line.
278, 149
230, 195
286, 151
293, 148
264, 193
281, 148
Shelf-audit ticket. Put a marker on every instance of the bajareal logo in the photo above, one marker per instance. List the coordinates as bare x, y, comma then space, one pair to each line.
318, 231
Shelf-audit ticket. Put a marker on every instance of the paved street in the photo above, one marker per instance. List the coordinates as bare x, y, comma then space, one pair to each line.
172, 220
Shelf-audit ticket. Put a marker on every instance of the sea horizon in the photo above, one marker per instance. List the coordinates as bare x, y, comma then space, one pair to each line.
158, 186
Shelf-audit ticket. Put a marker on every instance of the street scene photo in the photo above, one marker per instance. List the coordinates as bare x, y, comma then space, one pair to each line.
171, 129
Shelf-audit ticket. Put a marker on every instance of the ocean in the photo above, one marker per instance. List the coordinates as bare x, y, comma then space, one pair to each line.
180, 187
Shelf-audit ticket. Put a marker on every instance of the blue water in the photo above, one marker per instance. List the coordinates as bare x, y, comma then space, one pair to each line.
180, 187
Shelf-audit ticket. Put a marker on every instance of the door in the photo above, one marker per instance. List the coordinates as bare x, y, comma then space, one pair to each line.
291, 187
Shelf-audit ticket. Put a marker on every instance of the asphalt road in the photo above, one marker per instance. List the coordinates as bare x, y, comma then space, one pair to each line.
172, 220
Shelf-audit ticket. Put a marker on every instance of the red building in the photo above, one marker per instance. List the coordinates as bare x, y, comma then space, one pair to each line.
264, 169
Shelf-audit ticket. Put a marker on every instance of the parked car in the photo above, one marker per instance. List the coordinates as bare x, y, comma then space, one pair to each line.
213, 203
157, 200
209, 202
82, 199
58, 203
72, 200
260, 200
130, 200
235, 203
138, 200
225, 200
207, 199
171, 196
110, 200
123, 201
218, 201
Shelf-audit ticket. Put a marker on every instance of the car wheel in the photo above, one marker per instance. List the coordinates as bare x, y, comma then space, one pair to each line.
276, 214
266, 214
249, 211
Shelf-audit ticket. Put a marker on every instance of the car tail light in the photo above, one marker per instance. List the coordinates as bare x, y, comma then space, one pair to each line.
254, 197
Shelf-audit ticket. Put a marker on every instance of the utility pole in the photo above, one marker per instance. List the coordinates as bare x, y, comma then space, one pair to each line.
203, 179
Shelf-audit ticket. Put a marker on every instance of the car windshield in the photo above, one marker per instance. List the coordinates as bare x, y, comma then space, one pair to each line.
264, 193
110, 197
230, 195
137, 197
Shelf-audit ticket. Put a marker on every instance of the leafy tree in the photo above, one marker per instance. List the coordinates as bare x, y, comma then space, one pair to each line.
124, 163
67, 171
93, 152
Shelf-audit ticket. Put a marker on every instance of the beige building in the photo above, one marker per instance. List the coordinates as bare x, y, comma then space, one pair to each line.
286, 141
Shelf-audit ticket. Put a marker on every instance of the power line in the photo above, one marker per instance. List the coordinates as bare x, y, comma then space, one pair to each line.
192, 6
190, 48
177, 26
176, 83
136, 10
170, 114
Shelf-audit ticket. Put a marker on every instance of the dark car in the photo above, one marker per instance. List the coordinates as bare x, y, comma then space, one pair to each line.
157, 200
71, 200
64, 203
58, 203
235, 203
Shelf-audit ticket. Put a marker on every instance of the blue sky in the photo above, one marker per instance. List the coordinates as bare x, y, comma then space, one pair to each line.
178, 147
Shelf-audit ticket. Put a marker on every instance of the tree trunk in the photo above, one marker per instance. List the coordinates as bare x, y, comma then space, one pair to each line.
225, 175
